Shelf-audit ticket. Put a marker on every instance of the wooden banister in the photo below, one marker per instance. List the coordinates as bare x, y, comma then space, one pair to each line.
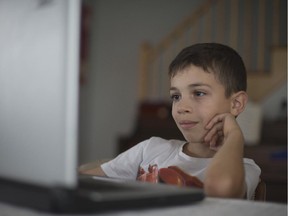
244, 27
182, 27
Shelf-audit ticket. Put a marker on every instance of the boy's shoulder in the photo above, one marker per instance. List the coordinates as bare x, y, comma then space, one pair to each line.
251, 163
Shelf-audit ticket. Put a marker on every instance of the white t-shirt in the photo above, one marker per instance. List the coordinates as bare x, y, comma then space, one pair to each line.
165, 153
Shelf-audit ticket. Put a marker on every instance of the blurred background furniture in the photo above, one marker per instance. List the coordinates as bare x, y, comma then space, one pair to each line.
260, 192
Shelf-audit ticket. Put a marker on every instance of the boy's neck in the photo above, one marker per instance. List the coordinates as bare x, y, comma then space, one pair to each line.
199, 150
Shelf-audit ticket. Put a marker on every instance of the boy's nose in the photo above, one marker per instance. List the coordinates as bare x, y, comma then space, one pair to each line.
184, 107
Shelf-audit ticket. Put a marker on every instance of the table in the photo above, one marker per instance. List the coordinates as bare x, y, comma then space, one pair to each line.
207, 207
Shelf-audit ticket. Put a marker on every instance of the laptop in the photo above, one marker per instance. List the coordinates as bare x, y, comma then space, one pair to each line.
39, 79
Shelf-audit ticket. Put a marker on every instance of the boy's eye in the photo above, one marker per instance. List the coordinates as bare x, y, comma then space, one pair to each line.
175, 97
199, 93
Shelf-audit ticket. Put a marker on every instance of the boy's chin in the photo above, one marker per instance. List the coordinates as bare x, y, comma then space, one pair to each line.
194, 139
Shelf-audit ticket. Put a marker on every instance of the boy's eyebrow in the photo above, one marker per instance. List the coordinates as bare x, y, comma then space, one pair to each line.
193, 85
173, 89
199, 84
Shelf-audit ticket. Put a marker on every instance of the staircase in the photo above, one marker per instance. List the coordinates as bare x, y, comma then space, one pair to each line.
261, 85
257, 29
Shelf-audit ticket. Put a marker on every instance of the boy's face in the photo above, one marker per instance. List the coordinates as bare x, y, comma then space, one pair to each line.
197, 97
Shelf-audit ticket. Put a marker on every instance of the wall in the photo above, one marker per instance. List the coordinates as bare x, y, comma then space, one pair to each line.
108, 99
108, 102
272, 106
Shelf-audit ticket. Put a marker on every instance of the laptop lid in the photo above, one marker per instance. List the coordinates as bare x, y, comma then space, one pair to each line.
39, 64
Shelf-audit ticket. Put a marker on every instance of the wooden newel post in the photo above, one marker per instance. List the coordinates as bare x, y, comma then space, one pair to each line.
145, 56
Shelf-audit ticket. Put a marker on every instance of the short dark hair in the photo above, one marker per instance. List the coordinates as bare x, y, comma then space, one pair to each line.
226, 64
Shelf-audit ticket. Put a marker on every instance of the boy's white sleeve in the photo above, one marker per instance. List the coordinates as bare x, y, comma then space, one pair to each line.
126, 164
252, 176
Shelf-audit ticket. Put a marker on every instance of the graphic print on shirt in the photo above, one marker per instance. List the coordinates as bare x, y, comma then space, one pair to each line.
170, 175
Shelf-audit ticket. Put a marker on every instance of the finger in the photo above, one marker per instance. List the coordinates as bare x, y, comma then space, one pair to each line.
216, 129
211, 137
215, 120
220, 133
216, 142
213, 140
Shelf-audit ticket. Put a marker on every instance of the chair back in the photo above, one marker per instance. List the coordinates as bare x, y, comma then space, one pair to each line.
260, 192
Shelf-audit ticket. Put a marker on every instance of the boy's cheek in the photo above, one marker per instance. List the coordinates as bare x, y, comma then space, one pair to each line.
195, 135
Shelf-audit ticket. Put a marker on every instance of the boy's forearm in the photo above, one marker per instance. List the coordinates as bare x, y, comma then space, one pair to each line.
225, 174
97, 171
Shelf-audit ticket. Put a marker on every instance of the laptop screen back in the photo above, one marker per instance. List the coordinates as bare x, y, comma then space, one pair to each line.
39, 91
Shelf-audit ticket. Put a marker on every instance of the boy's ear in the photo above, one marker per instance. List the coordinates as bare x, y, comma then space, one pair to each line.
238, 102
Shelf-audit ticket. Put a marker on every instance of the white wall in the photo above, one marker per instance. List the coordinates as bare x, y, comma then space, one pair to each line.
108, 100
271, 106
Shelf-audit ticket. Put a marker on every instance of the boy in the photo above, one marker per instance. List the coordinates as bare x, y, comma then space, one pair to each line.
208, 92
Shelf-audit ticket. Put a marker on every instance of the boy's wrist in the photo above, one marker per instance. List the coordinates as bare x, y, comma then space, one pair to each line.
235, 136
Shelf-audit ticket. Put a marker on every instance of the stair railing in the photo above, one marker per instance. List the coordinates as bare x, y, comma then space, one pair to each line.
252, 27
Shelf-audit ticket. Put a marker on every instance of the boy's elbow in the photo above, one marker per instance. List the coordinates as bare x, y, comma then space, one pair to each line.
223, 188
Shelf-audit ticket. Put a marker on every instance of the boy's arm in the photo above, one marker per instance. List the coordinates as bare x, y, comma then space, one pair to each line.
225, 176
93, 168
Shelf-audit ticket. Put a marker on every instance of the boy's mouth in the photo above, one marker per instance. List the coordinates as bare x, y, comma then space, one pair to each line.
186, 124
